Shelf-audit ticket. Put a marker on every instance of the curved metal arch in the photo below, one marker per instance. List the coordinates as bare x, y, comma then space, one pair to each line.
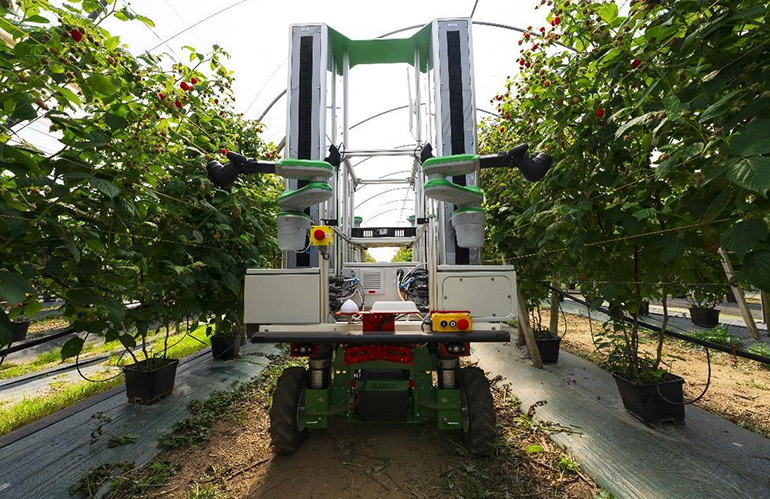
383, 213
380, 194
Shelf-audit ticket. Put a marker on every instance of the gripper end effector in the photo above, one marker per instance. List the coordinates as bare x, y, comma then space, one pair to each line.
223, 176
533, 169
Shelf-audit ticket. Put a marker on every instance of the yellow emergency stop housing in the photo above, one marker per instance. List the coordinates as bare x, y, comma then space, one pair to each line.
451, 322
321, 235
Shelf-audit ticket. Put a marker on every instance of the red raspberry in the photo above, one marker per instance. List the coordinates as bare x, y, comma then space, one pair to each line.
161, 95
76, 35
184, 86
178, 104
556, 20
635, 63
600, 112
216, 101
542, 29
194, 81
223, 151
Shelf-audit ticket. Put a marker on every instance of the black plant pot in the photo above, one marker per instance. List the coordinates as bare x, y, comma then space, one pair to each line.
549, 349
19, 330
150, 380
644, 308
656, 403
225, 347
704, 317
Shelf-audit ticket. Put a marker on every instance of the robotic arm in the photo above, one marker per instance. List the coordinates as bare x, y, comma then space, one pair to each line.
223, 176
533, 169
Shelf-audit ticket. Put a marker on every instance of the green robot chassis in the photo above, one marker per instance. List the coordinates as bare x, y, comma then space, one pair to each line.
423, 387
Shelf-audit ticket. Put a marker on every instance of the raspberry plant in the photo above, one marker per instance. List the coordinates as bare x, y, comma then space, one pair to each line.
659, 124
123, 210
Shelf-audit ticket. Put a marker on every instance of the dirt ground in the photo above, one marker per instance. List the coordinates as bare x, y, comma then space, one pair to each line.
372, 460
739, 389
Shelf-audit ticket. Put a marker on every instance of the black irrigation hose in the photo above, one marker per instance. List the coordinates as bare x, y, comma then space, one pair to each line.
684, 337
563, 316
705, 388
77, 366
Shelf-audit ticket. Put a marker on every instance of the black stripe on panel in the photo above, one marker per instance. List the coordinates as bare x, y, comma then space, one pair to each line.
305, 105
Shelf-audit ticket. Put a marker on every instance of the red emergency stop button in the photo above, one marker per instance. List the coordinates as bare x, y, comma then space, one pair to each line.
319, 234
462, 324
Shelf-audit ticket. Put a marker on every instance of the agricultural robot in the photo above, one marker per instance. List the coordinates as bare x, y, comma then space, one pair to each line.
383, 341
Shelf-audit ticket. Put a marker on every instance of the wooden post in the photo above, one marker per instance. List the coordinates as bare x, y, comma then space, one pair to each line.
534, 353
555, 308
739, 296
765, 298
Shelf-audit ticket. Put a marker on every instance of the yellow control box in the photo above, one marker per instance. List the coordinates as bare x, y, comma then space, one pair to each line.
451, 321
321, 235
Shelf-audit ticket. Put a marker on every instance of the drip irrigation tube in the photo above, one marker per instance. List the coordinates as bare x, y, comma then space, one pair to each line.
34, 343
680, 336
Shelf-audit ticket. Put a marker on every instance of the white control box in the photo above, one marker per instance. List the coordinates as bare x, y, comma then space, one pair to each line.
282, 296
487, 291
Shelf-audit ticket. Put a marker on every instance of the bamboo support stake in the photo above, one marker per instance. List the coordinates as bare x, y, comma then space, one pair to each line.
739, 296
765, 299
534, 353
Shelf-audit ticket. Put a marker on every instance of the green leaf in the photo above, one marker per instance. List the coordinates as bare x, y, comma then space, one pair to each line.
717, 206
101, 84
744, 236
751, 173
73, 248
146, 20
127, 341
535, 448
69, 95
105, 187
115, 122
22, 157
631, 123
91, 6
644, 213
112, 43
756, 269
71, 348
13, 287
24, 111
718, 108
123, 14
37, 19
608, 12
752, 140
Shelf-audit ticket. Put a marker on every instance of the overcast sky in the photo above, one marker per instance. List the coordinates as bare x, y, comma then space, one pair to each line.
256, 34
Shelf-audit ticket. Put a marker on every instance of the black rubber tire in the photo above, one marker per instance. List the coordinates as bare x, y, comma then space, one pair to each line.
285, 432
480, 429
